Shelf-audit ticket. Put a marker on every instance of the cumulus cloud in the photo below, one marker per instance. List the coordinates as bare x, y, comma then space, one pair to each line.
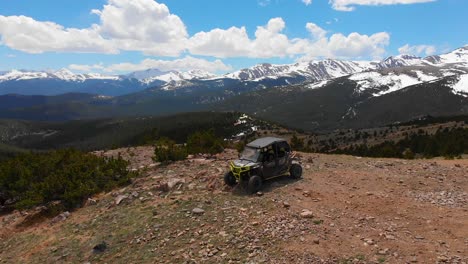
28, 35
142, 25
349, 5
418, 50
269, 42
150, 27
184, 64
87, 68
235, 42
316, 31
357, 45
307, 2
354, 46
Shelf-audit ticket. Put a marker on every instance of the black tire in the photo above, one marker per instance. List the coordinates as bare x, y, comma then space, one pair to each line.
229, 179
255, 184
295, 171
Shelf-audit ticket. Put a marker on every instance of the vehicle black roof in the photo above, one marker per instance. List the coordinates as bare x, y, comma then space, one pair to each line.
264, 142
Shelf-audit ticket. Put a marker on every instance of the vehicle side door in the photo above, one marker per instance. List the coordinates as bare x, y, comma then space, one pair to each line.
283, 151
269, 162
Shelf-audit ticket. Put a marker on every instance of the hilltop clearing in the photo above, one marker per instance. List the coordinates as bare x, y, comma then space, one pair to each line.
345, 210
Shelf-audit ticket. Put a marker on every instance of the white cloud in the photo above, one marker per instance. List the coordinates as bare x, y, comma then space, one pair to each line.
316, 31
184, 64
354, 46
269, 41
307, 2
141, 25
349, 5
149, 27
221, 43
235, 42
28, 35
87, 68
418, 49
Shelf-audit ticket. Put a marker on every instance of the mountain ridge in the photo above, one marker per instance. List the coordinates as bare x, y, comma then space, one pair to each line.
24, 81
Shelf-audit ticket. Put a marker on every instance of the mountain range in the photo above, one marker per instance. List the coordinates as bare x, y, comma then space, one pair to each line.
314, 95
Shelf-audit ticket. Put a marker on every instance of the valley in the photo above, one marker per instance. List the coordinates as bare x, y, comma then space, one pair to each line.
315, 96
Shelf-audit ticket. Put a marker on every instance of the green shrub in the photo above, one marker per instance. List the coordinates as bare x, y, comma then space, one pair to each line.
167, 150
297, 143
408, 154
68, 176
204, 142
240, 146
446, 143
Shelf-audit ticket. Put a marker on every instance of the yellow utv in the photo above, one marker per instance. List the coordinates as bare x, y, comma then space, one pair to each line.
263, 159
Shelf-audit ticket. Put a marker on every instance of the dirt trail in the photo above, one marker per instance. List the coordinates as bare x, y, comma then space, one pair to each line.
364, 211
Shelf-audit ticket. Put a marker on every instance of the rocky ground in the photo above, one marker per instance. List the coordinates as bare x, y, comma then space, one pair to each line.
344, 210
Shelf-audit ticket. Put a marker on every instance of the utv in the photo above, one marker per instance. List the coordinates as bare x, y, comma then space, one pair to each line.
263, 159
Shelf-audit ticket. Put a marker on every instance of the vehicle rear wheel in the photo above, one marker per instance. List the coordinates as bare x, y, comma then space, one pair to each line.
254, 185
295, 171
229, 179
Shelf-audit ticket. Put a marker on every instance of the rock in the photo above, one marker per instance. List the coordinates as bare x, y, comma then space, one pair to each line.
383, 251
91, 201
61, 217
120, 198
316, 241
163, 187
286, 205
174, 182
135, 194
198, 211
306, 214
99, 248
259, 194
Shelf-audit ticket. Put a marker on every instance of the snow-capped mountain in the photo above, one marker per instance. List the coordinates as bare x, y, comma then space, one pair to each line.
460, 85
330, 68
390, 74
398, 61
314, 70
150, 75
64, 81
63, 74
458, 56
398, 72
49, 82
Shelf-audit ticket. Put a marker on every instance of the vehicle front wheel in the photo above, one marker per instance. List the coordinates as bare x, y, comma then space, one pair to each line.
229, 179
254, 185
295, 171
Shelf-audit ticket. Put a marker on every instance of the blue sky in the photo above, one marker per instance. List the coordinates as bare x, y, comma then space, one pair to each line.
116, 36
